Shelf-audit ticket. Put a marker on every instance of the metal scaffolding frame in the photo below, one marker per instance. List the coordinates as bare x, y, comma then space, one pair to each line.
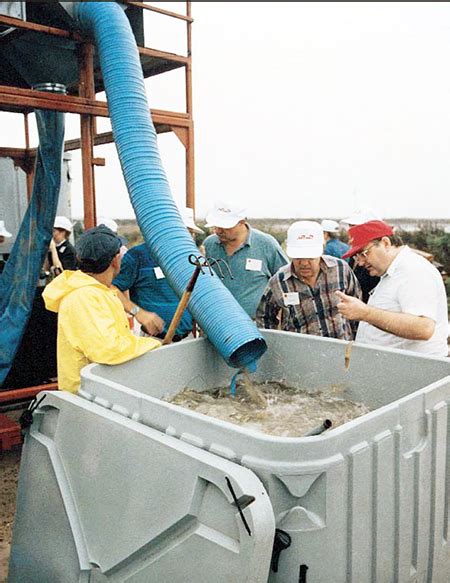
85, 103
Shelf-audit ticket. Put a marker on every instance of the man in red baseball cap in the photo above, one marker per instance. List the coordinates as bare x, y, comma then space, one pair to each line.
408, 307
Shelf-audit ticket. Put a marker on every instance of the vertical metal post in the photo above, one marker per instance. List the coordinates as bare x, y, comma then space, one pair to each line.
87, 89
29, 165
190, 169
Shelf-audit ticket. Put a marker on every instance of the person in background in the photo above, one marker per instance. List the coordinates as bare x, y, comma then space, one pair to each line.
4, 234
145, 287
92, 324
408, 308
111, 224
187, 214
333, 245
300, 296
61, 255
252, 256
366, 281
359, 217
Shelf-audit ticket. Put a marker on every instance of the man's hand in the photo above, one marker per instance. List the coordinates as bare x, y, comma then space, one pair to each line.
350, 307
405, 325
152, 323
55, 270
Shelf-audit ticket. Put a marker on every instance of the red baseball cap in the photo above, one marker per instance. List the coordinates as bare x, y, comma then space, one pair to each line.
360, 235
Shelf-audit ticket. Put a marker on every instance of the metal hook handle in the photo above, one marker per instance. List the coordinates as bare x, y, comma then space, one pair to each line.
219, 262
201, 262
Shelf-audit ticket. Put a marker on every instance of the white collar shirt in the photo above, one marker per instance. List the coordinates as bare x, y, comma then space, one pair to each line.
411, 285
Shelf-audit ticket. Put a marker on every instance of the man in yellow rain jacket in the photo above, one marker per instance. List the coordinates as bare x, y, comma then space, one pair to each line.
92, 323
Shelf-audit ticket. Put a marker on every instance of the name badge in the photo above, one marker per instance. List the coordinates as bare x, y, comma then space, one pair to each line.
62, 249
291, 299
159, 273
253, 264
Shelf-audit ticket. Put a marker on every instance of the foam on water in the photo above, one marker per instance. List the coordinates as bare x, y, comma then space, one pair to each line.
289, 412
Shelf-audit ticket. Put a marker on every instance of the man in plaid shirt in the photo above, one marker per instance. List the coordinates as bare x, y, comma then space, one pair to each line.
301, 296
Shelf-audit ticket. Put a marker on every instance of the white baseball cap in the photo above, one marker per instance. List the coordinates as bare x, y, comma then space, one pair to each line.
187, 214
304, 240
330, 226
110, 223
360, 217
3, 231
226, 215
63, 223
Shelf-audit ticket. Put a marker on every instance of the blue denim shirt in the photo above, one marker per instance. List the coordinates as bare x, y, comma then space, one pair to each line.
335, 248
138, 276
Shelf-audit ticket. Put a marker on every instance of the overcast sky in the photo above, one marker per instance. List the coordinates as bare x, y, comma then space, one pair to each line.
305, 109
314, 109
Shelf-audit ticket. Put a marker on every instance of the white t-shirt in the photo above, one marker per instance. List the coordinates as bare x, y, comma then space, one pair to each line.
411, 285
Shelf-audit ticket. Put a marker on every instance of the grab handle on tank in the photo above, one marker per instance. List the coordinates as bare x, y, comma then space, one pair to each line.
26, 419
237, 502
327, 423
281, 542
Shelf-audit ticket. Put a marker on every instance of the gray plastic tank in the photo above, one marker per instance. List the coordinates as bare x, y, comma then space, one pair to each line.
118, 485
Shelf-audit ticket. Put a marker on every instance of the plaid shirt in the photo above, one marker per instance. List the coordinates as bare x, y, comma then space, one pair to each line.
293, 306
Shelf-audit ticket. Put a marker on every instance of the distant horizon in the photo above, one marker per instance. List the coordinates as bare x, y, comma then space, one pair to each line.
272, 218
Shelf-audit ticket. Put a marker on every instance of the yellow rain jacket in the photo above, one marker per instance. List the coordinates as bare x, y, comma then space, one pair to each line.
92, 326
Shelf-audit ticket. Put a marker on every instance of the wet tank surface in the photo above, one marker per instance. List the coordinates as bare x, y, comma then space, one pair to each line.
366, 500
351, 490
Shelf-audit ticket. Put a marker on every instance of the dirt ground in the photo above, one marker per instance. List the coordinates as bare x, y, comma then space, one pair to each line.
9, 473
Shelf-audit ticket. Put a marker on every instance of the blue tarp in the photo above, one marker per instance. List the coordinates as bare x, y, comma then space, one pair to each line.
20, 276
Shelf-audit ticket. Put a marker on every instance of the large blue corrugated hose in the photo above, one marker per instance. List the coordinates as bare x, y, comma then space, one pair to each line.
225, 323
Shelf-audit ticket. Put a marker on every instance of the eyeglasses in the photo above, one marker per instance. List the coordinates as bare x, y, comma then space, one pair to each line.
365, 253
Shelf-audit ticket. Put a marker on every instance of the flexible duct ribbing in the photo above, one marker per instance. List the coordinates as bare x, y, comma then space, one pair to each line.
225, 323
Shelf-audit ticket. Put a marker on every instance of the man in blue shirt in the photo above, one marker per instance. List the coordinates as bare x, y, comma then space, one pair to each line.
148, 288
252, 256
333, 245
